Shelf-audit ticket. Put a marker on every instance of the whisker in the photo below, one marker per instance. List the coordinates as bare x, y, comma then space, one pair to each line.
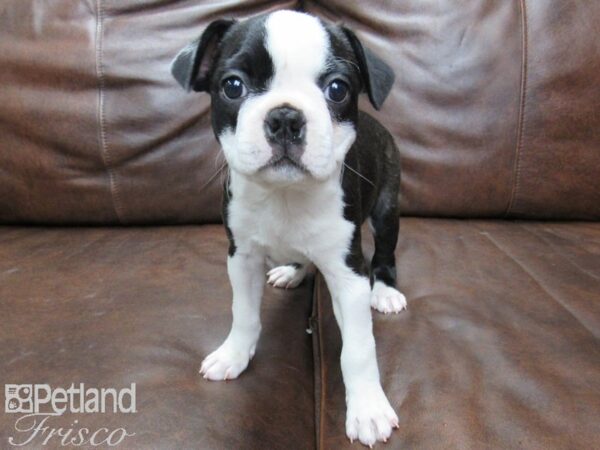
359, 174
214, 175
226, 183
219, 156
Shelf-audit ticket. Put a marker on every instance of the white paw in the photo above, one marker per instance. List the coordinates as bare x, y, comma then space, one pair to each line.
370, 417
225, 363
287, 277
386, 299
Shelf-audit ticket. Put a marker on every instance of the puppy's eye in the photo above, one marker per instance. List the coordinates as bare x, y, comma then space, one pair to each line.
233, 88
337, 91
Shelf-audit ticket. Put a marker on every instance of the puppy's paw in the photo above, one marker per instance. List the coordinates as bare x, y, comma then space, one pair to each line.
370, 417
225, 363
386, 299
286, 277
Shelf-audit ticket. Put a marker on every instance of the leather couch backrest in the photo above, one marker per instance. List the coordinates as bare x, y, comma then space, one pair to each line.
495, 108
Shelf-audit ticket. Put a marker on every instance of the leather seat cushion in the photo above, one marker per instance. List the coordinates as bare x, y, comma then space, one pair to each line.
498, 347
108, 307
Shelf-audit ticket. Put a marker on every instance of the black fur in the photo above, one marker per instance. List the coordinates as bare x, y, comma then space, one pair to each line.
243, 54
371, 175
225, 216
371, 181
192, 66
377, 76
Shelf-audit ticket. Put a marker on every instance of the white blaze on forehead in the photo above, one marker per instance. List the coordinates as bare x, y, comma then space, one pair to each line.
298, 44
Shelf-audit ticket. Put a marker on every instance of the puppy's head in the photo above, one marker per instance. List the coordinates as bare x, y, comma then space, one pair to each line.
284, 90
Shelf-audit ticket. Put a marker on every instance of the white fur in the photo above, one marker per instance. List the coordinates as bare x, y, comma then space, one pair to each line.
386, 299
286, 216
369, 415
304, 222
289, 222
298, 46
287, 277
246, 274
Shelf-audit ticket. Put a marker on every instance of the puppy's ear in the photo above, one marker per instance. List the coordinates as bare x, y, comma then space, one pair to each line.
377, 76
192, 65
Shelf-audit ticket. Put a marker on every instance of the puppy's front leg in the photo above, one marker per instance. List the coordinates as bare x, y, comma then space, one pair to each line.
369, 415
246, 274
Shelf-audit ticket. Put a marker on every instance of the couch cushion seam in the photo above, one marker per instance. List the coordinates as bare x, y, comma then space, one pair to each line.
101, 113
522, 104
564, 256
320, 370
538, 283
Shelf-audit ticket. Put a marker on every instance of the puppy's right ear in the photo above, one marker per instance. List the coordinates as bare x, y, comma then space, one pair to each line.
192, 65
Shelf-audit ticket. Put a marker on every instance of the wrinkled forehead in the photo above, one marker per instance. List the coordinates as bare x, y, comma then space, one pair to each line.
297, 43
284, 44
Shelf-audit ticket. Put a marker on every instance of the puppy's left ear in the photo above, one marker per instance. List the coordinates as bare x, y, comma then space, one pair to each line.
377, 76
193, 65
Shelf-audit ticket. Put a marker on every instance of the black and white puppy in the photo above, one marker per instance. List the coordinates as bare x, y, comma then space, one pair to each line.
306, 170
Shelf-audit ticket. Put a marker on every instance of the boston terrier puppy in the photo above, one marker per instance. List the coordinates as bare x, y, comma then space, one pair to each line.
306, 169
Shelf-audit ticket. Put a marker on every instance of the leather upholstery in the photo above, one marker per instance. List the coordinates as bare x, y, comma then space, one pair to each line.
494, 104
495, 113
498, 347
493, 108
90, 113
111, 306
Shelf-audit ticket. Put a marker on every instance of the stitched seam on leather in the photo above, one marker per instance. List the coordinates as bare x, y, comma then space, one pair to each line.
102, 140
522, 104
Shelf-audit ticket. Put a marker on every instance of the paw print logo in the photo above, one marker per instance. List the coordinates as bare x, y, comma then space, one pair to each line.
18, 398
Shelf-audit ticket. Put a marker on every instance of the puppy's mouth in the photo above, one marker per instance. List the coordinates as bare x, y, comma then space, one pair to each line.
285, 162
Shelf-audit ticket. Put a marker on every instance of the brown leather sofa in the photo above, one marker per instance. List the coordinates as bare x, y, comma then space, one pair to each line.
112, 264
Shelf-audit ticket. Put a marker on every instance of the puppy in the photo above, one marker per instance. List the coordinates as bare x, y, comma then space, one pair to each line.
307, 168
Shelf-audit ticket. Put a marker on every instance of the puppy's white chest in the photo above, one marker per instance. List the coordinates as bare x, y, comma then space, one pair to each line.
290, 225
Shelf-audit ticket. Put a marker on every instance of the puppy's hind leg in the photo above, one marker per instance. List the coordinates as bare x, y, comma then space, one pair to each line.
287, 276
385, 297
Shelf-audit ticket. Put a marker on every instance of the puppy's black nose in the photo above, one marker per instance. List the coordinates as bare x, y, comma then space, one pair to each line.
285, 125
